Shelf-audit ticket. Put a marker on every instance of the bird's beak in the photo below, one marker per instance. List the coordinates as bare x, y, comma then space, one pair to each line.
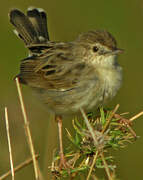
117, 51
113, 52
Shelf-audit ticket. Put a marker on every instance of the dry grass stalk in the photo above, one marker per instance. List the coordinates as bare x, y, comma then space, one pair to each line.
9, 143
136, 116
27, 131
18, 167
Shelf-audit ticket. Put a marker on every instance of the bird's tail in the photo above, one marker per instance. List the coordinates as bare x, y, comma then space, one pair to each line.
31, 28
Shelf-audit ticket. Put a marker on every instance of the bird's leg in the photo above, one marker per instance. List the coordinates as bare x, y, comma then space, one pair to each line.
63, 162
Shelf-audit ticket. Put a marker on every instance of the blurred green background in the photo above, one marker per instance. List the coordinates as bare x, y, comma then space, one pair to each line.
66, 19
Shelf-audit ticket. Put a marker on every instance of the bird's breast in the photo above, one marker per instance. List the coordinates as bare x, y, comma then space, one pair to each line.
112, 80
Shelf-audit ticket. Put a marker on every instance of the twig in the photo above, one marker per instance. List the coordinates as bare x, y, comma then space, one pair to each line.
110, 117
92, 166
9, 143
89, 127
27, 130
17, 168
106, 166
136, 116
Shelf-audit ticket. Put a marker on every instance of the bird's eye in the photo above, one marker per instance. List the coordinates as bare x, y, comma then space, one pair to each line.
95, 48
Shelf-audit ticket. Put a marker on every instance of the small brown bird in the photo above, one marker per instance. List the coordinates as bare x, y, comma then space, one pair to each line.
67, 76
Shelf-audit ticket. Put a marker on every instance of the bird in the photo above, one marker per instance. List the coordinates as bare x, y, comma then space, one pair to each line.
67, 76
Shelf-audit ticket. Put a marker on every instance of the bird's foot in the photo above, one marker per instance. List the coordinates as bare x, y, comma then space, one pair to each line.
63, 163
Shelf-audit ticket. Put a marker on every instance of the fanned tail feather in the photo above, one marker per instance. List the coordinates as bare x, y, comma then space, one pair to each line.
31, 28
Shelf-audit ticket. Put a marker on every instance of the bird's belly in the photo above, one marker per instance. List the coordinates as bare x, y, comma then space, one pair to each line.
70, 101
87, 96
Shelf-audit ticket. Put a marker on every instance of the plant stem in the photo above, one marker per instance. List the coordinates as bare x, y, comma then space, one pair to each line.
106, 166
27, 130
92, 166
110, 117
89, 127
9, 143
17, 168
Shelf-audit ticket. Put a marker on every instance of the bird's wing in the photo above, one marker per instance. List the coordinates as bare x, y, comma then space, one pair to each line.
56, 68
